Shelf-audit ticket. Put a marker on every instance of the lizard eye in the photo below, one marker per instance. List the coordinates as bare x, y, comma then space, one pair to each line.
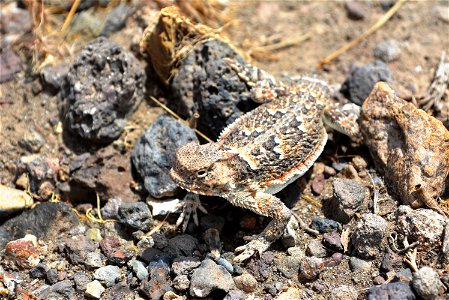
201, 173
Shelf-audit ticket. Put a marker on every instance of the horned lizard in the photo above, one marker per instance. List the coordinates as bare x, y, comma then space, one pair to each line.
266, 149
260, 153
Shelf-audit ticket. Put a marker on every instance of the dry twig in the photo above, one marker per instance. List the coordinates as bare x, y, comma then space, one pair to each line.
174, 115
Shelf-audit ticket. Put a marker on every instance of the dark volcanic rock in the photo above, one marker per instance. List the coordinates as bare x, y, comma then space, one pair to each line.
324, 225
362, 80
135, 215
47, 220
103, 86
155, 151
206, 84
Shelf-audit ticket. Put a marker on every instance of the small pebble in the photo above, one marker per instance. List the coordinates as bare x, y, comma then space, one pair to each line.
52, 276
139, 269
209, 277
246, 282
329, 171
393, 290
387, 51
368, 235
324, 225
135, 215
427, 283
107, 275
93, 260
348, 198
359, 265
315, 248
181, 283
344, 292
94, 289
332, 241
81, 281
378, 280
354, 10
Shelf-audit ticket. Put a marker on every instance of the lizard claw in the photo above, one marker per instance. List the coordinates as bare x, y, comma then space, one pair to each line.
190, 206
258, 244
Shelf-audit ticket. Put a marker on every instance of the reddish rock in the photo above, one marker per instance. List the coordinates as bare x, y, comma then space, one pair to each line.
24, 252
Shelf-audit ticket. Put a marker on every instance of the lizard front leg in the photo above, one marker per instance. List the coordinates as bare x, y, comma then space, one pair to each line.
266, 205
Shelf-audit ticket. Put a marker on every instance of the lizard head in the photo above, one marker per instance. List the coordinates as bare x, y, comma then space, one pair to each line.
202, 169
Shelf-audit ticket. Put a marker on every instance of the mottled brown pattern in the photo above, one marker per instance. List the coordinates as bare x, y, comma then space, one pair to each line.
409, 146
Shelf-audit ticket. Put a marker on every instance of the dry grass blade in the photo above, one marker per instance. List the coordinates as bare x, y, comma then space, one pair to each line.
174, 115
360, 38
69, 17
284, 44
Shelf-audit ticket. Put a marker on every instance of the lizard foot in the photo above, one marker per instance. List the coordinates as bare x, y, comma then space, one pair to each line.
190, 206
258, 244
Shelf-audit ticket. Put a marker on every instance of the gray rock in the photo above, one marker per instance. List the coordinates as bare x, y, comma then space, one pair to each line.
116, 19
206, 84
427, 283
273, 288
108, 275
362, 80
423, 225
185, 265
324, 225
32, 141
78, 247
404, 275
81, 281
391, 291
158, 281
38, 169
235, 295
94, 290
60, 290
135, 215
209, 277
387, 51
354, 10
103, 86
359, 265
93, 260
37, 272
347, 199
52, 276
139, 269
181, 283
154, 154
315, 248
368, 235
344, 292
110, 209
390, 261
53, 76
182, 245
